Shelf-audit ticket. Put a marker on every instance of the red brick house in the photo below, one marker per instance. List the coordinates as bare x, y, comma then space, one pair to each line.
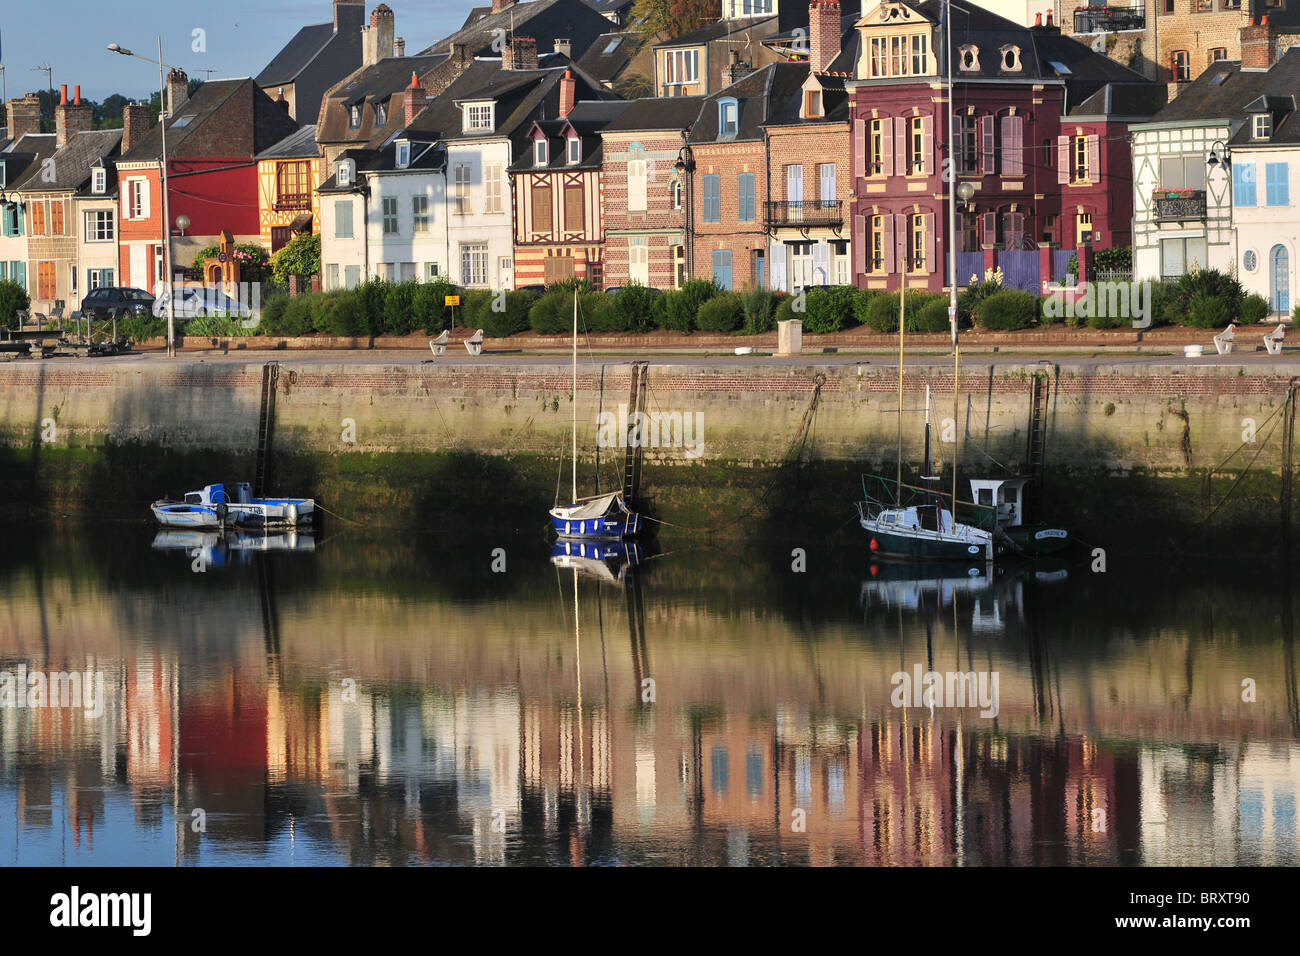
1040, 125
645, 193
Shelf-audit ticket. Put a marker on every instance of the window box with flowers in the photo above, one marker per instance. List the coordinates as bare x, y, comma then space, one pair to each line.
1177, 205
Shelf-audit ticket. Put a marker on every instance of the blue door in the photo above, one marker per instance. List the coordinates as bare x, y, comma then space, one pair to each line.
1280, 296
722, 268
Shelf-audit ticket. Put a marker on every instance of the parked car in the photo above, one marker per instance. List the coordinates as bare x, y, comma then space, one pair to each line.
120, 302
191, 303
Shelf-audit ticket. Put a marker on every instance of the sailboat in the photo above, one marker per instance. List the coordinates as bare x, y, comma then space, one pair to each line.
596, 516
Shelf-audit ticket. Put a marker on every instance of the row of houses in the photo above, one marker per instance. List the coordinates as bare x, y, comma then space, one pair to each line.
492, 163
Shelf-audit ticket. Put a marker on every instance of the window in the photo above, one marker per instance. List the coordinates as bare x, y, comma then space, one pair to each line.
403, 154
876, 249
1262, 126
478, 118
812, 104
1182, 172
343, 219
1180, 256
677, 191
898, 56
99, 180
681, 67
473, 264
728, 117
826, 191
351, 276
293, 186
712, 198
540, 151
919, 62
636, 179
876, 147
38, 218
98, 279
1083, 227
968, 58
390, 215
99, 225
1277, 187
542, 209
575, 150
1013, 153
460, 189
843, 267
46, 281
917, 241
638, 262
346, 168
1169, 6
420, 215
969, 234
916, 145
1082, 172
968, 143
1218, 53
575, 212
493, 178
381, 114
431, 271
746, 200
1243, 184
56, 217
354, 117
1010, 58
1203, 6
1180, 66
722, 268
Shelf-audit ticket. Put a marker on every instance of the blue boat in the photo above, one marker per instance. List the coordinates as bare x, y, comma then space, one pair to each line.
607, 561
213, 507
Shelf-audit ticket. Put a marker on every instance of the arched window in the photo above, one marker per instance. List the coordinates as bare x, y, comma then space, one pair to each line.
1010, 55
968, 57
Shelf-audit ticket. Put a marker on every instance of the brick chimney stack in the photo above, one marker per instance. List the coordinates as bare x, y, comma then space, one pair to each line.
414, 99
379, 39
135, 125
499, 5
178, 91
24, 115
521, 54
71, 118
1258, 45
568, 91
823, 34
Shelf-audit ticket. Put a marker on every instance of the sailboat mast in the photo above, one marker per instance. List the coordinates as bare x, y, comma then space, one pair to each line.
952, 181
902, 294
929, 467
956, 368
575, 394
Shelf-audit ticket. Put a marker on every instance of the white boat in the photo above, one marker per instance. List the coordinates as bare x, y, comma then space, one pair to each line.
212, 507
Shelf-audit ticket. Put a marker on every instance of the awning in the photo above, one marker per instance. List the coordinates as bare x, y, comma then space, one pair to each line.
301, 222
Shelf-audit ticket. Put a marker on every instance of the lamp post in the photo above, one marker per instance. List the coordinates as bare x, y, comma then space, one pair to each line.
684, 166
1219, 153
166, 208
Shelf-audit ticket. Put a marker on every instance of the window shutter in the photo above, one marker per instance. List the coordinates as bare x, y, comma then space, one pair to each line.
828, 190
1062, 159
927, 139
900, 145
1094, 159
988, 165
126, 202
146, 196
887, 225
778, 266
886, 156
859, 245
931, 244
990, 236
821, 264
859, 148
1013, 163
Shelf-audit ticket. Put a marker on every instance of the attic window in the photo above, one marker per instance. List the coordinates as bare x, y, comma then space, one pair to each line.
98, 180
812, 104
345, 172
1262, 126
968, 57
403, 153
1010, 58
540, 152
183, 121
478, 118
613, 45
728, 117
354, 117
575, 150
381, 114
1060, 68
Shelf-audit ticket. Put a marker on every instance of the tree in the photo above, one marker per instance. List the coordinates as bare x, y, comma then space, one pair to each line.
300, 256
672, 18
634, 86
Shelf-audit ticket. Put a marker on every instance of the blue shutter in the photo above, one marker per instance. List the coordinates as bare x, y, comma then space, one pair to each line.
20, 273
747, 198
8, 220
712, 197
1275, 184
1243, 184
722, 268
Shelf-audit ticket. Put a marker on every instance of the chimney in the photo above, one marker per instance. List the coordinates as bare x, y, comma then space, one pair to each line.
399, 47
177, 91
823, 34
564, 47
135, 125
349, 15
499, 5
413, 100
568, 90
1038, 19
378, 39
1049, 18
460, 52
24, 115
1258, 45
71, 118
521, 54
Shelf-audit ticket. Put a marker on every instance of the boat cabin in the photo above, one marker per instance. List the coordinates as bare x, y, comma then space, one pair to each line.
922, 517
212, 495
1007, 495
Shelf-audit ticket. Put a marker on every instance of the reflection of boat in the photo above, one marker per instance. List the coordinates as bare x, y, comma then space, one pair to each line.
607, 561
992, 595
215, 548
213, 507
207, 547
1013, 535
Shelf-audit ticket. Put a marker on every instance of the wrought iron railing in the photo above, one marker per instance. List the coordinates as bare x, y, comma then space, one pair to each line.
816, 212
1110, 18
1190, 206
287, 202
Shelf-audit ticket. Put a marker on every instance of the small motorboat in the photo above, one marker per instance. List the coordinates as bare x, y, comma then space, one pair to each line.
1013, 534
212, 507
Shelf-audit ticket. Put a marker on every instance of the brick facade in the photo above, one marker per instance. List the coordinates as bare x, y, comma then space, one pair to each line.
655, 234
746, 240
829, 223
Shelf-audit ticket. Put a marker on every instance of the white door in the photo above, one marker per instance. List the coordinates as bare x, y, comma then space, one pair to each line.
139, 278
507, 268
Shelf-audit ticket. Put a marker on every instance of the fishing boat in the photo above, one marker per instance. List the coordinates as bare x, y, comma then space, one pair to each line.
214, 507
1012, 533
596, 516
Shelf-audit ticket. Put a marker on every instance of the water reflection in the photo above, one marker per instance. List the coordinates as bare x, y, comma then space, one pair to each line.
398, 701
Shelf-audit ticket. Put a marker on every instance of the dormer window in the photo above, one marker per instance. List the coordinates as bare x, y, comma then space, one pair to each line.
728, 117
1261, 126
99, 180
968, 58
478, 118
354, 117
1010, 58
575, 150
541, 155
347, 171
403, 153
812, 104
381, 114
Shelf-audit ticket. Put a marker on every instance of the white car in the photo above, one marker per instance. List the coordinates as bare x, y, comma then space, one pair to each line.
193, 303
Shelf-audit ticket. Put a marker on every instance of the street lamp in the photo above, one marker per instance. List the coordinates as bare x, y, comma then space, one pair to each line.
1218, 147
166, 209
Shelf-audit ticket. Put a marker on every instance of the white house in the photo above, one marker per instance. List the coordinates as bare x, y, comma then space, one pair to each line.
408, 213
96, 223
344, 246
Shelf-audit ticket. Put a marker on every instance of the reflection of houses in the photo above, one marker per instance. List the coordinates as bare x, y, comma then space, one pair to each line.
288, 176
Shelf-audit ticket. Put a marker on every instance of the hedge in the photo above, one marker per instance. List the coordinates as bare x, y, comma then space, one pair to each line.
13, 299
721, 313
1009, 310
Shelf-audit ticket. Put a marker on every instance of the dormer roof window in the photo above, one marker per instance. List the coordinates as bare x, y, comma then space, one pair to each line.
575, 150
728, 117
403, 156
98, 180
1010, 58
1261, 126
541, 154
347, 172
478, 117
968, 58
354, 117
381, 114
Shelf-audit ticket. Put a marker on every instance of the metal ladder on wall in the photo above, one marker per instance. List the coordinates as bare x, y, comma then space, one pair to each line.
1036, 452
265, 426
636, 409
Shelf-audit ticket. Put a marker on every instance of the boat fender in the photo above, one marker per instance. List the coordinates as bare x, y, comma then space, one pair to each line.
875, 545
222, 511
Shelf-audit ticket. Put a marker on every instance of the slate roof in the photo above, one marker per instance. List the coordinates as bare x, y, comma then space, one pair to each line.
587, 120
1225, 92
543, 20
605, 64
658, 113
188, 133
72, 163
1136, 101
299, 145
297, 54
24, 153
786, 97
756, 96
378, 83
716, 31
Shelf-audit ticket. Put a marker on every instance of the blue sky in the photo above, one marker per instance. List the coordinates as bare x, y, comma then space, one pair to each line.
241, 38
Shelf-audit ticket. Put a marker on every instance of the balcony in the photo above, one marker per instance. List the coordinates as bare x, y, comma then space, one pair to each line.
1188, 205
1110, 18
293, 202
817, 212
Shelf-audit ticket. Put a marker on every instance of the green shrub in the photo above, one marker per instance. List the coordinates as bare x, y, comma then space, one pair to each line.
970, 298
473, 308
882, 312
13, 299
681, 306
932, 316
862, 300
430, 313
1209, 311
598, 312
272, 311
552, 314
1254, 308
299, 256
829, 310
372, 298
497, 322
139, 328
1208, 283
1008, 310
288, 316
398, 313
215, 326
1116, 259
758, 310
638, 307
720, 313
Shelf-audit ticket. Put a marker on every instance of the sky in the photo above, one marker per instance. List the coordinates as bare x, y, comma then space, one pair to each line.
239, 38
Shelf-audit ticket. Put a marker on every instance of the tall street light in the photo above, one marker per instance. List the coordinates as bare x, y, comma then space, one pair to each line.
166, 209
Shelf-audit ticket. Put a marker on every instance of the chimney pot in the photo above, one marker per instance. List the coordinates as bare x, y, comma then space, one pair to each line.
1038, 19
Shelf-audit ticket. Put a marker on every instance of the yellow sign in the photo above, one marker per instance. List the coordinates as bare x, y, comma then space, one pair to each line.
452, 300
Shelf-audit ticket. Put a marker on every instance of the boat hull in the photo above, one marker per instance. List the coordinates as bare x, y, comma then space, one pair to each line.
174, 515
273, 513
616, 526
1038, 539
889, 544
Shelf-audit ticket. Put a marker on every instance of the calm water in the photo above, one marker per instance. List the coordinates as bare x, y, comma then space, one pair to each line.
393, 700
